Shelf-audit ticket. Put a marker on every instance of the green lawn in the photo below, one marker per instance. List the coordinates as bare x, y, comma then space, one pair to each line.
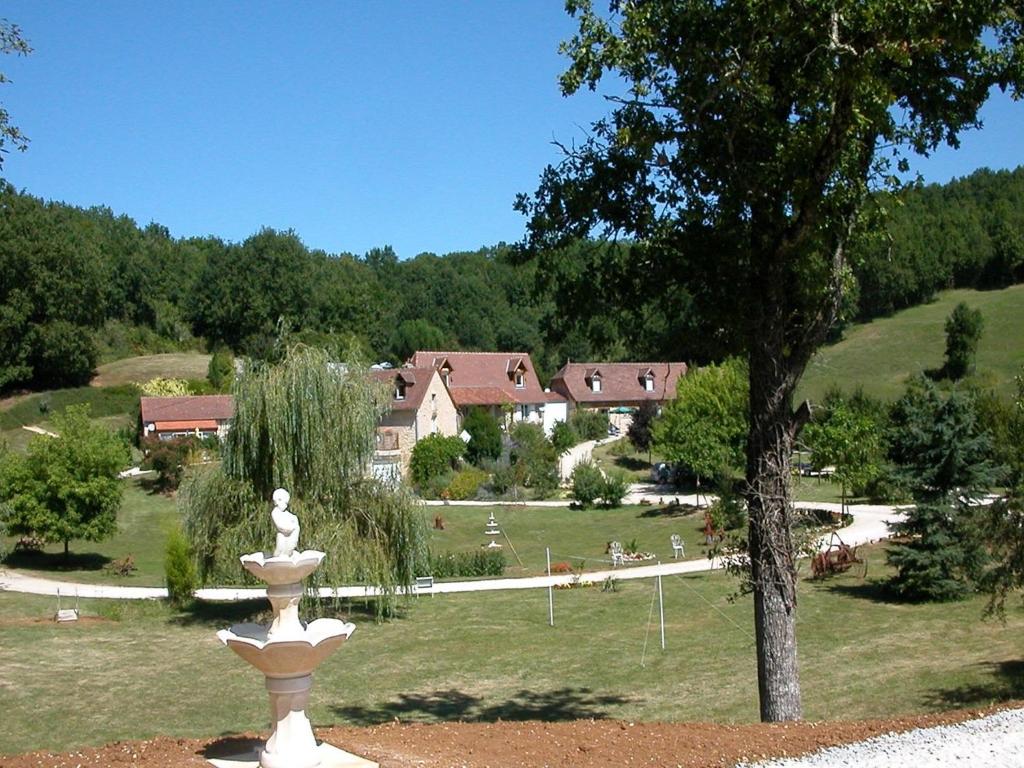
573, 535
143, 523
621, 456
116, 401
139, 370
489, 655
880, 356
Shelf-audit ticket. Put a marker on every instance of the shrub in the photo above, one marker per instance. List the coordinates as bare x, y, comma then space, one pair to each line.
589, 425
465, 483
221, 370
164, 387
482, 562
485, 436
435, 455
436, 487
168, 458
563, 436
614, 489
729, 512
588, 483
534, 458
179, 569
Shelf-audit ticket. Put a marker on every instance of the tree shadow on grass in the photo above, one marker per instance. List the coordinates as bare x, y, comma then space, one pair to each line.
1006, 682
220, 614
55, 562
875, 590
451, 704
631, 463
669, 510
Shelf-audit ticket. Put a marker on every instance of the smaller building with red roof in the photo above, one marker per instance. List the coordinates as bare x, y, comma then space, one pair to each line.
167, 418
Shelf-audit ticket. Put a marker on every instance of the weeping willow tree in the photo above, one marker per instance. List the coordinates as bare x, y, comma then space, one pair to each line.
307, 425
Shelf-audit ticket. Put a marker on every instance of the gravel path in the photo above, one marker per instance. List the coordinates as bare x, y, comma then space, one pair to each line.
996, 741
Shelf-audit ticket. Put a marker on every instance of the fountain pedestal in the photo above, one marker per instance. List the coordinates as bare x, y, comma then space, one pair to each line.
287, 651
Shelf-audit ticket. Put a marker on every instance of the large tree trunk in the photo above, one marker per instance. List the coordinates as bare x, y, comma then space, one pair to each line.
769, 447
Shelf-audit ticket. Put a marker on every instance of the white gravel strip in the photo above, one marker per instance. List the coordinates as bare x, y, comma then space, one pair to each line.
996, 741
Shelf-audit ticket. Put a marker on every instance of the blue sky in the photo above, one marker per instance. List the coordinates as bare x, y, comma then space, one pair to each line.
357, 125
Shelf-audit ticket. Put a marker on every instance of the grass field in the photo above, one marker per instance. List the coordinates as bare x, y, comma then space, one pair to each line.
36, 409
139, 370
573, 535
143, 670
881, 355
143, 523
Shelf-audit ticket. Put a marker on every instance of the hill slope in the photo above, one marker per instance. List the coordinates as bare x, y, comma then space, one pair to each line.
879, 356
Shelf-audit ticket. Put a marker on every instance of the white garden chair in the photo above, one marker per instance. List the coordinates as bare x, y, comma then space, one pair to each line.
615, 550
677, 546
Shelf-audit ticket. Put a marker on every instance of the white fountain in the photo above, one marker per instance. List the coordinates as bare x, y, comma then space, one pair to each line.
287, 651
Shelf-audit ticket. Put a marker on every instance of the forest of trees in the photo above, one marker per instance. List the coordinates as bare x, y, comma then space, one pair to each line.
79, 286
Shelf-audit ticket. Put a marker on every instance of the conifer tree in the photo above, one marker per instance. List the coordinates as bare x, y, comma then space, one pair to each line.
943, 455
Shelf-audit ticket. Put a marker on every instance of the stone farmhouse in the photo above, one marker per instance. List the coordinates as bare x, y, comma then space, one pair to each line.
504, 383
420, 406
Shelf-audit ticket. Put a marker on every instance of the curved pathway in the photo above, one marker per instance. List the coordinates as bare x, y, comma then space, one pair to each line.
870, 524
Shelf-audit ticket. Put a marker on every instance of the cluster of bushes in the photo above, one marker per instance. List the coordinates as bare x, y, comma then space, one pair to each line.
589, 484
439, 466
482, 562
588, 425
169, 458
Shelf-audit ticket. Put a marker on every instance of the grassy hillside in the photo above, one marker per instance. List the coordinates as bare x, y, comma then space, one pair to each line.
879, 356
139, 370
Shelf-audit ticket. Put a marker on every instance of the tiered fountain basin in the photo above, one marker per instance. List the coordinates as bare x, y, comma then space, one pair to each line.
286, 652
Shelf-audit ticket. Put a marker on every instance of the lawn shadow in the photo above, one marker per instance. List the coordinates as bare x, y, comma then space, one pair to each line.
669, 510
215, 613
631, 463
452, 704
34, 560
875, 590
219, 614
1006, 682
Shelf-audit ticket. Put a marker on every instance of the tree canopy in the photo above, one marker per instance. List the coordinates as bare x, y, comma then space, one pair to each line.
705, 426
742, 146
11, 41
65, 487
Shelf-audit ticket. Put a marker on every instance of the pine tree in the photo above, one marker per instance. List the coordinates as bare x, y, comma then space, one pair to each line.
943, 455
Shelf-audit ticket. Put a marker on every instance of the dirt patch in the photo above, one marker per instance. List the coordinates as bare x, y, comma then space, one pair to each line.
575, 744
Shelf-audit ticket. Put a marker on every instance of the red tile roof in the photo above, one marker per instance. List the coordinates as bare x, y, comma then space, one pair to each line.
485, 378
621, 383
187, 408
416, 382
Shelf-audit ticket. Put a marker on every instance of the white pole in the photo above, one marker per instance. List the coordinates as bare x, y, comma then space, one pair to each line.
551, 591
661, 611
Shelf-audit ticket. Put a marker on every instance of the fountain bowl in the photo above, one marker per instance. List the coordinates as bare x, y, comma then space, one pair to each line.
282, 570
289, 656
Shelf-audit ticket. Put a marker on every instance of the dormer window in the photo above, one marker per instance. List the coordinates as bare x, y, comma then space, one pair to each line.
446, 376
520, 380
399, 389
593, 378
595, 384
648, 383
